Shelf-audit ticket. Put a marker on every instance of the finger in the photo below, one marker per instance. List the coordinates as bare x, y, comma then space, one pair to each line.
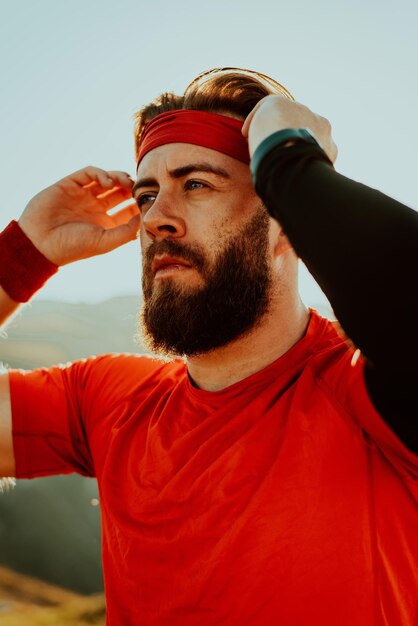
112, 238
125, 215
89, 175
97, 189
113, 197
106, 179
334, 152
249, 118
121, 178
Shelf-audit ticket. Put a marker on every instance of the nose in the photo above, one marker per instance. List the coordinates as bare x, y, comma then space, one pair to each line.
163, 218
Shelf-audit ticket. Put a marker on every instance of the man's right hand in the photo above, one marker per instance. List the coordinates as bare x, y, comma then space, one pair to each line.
66, 222
69, 220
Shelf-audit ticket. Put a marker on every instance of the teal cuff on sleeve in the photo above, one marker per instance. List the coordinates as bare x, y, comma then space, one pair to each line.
276, 139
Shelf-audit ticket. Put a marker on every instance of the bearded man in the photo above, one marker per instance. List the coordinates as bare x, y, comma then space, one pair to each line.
265, 471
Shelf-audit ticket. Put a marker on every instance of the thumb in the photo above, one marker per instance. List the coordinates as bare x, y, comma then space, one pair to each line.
113, 238
246, 127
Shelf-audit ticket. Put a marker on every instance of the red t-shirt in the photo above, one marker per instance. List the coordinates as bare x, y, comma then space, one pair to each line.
282, 499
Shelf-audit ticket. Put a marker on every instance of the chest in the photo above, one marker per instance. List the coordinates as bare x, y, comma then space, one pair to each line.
276, 470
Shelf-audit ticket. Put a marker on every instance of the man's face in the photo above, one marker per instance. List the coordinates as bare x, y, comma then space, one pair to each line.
205, 244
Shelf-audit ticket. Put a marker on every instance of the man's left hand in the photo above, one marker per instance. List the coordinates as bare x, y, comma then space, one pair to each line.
274, 113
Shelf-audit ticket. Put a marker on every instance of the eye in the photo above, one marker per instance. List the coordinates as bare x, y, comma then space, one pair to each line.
145, 199
194, 184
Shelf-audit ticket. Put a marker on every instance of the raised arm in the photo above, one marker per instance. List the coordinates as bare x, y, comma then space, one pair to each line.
360, 245
62, 224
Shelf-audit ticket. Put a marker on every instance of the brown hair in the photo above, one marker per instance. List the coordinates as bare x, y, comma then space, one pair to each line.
226, 90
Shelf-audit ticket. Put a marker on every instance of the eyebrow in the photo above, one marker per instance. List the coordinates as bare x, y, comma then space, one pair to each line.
180, 172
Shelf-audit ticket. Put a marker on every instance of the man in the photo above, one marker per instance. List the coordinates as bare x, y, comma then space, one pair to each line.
269, 476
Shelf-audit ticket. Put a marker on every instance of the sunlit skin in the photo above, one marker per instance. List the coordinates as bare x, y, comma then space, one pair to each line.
181, 201
200, 207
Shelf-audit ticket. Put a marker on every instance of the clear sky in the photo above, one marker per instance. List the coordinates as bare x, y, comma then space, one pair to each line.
73, 73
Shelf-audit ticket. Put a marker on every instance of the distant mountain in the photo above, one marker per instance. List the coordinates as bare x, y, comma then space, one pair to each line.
47, 332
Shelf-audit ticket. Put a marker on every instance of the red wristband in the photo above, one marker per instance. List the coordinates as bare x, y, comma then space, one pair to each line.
23, 269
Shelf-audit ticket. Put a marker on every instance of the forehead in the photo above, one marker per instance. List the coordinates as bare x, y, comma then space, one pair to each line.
175, 155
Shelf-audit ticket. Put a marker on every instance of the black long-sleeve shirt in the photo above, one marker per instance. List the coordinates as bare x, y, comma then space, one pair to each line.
362, 248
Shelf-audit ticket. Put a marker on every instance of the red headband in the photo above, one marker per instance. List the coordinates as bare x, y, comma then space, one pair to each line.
209, 130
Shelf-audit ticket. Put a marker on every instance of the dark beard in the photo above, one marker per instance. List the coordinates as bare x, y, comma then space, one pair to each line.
235, 296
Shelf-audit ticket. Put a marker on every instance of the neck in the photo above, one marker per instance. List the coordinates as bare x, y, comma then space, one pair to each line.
281, 327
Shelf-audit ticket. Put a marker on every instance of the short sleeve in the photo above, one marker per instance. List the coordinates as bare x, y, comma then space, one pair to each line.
48, 432
63, 416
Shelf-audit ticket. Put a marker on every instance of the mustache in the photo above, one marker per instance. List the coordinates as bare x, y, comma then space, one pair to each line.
173, 248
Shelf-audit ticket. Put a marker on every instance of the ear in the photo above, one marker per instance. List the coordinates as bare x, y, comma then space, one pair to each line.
281, 244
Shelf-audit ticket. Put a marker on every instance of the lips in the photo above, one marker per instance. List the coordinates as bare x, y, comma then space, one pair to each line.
166, 261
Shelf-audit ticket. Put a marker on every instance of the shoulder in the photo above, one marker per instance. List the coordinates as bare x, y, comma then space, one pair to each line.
121, 370
108, 376
334, 356
338, 369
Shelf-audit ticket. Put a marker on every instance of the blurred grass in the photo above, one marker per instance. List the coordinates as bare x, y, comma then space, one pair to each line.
90, 610
27, 601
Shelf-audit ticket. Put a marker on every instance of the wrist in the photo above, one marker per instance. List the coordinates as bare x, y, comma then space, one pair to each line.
23, 268
284, 138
